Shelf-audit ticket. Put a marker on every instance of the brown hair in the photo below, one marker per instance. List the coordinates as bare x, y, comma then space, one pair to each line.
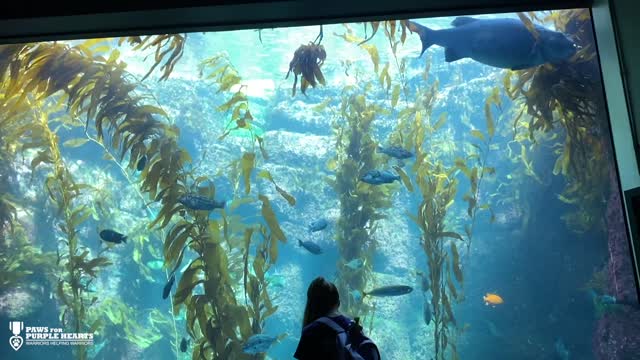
322, 297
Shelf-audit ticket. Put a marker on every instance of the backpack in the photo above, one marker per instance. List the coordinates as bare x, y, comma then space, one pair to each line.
352, 343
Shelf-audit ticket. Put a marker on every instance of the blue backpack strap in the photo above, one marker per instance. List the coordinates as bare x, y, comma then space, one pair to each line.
342, 334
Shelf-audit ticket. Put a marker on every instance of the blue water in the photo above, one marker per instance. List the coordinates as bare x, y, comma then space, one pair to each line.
529, 256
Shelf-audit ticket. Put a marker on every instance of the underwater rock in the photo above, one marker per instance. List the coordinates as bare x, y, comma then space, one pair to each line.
19, 303
618, 334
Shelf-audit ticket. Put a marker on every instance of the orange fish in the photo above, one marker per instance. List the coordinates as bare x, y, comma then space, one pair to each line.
492, 299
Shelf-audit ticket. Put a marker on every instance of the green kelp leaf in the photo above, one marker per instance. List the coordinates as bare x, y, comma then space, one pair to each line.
375, 57
450, 234
477, 134
405, 179
73, 143
247, 164
395, 95
267, 175
489, 117
240, 201
321, 106
270, 217
137, 256
457, 270
441, 121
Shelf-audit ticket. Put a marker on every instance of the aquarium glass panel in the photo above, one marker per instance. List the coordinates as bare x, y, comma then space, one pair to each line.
451, 179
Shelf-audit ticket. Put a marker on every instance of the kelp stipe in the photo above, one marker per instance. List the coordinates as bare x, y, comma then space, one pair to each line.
78, 269
360, 203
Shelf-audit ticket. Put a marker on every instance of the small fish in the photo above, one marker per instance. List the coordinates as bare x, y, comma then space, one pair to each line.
355, 264
392, 290
310, 246
183, 345
142, 163
502, 43
318, 225
377, 177
167, 288
608, 299
427, 312
198, 202
113, 236
259, 343
395, 152
492, 299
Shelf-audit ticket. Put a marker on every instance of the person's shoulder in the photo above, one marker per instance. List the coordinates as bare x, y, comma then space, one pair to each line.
343, 321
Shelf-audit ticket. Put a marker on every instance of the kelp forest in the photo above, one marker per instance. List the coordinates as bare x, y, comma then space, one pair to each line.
416, 164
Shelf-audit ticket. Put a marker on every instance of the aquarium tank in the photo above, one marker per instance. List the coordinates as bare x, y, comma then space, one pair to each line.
172, 196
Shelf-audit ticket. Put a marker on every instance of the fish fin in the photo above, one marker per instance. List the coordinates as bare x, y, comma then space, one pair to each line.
462, 20
451, 55
426, 35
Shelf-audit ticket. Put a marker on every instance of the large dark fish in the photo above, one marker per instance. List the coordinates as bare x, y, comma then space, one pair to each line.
395, 152
503, 43
311, 247
167, 288
318, 225
377, 177
183, 345
392, 290
198, 202
113, 236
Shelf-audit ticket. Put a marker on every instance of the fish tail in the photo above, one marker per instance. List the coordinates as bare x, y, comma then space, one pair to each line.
124, 239
425, 33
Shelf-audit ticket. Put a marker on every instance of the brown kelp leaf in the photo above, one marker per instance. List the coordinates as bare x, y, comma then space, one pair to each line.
529, 25
457, 270
188, 281
247, 164
270, 217
267, 175
451, 286
489, 117
477, 134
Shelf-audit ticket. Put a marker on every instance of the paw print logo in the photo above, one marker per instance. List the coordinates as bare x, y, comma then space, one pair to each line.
15, 342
